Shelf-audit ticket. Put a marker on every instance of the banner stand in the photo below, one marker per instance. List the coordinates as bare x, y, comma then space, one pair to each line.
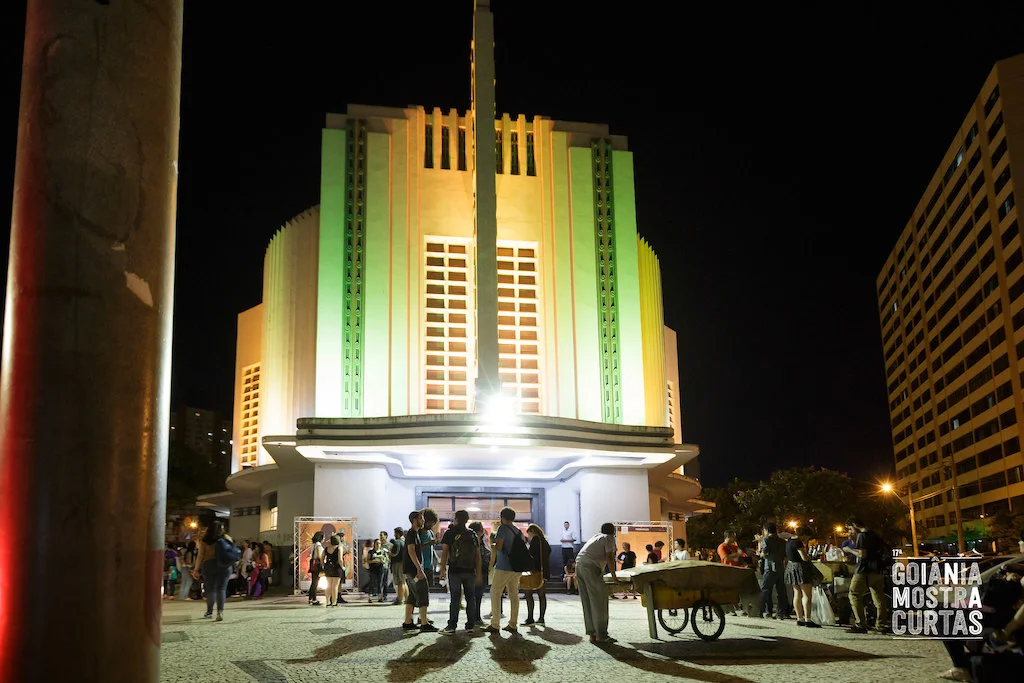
302, 545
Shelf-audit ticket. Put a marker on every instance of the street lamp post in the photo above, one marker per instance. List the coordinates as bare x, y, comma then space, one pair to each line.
887, 488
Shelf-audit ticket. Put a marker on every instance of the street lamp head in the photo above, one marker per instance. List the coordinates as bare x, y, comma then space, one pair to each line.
886, 487
839, 528
792, 524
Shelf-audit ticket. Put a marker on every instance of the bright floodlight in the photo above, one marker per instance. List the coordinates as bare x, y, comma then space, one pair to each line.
886, 487
839, 528
499, 410
792, 524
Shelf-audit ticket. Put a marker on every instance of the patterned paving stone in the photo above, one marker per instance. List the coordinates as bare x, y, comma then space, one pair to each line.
281, 640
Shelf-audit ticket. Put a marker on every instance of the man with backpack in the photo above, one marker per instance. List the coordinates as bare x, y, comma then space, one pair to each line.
873, 561
461, 564
510, 559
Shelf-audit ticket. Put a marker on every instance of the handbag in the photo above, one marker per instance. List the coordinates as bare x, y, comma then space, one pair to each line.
531, 581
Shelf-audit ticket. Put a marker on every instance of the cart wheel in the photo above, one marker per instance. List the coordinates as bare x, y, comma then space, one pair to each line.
708, 619
673, 620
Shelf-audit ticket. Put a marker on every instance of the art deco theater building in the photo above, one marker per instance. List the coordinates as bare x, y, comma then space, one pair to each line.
468, 319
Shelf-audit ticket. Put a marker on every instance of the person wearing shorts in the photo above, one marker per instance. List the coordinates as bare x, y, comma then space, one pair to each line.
398, 565
415, 578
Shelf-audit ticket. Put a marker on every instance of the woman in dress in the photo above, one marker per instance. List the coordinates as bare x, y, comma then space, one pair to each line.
332, 569
801, 575
540, 551
316, 565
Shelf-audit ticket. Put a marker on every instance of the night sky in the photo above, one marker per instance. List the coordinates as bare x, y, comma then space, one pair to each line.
778, 156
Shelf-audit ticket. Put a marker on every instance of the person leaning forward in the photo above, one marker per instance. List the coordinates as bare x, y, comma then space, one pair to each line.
590, 562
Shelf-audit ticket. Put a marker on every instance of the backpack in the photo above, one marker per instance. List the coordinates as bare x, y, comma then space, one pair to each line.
463, 550
226, 552
879, 554
519, 555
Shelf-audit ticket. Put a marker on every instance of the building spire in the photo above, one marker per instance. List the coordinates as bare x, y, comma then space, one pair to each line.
488, 382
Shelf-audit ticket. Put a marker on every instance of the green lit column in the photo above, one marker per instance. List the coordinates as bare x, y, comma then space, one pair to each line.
330, 313
627, 288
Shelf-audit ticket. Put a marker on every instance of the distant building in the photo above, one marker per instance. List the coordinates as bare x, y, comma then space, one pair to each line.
469, 319
206, 432
951, 303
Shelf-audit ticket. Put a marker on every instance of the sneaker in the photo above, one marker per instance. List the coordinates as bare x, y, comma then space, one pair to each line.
811, 624
208, 615
447, 631
315, 604
856, 629
220, 616
408, 626
429, 627
957, 674
511, 629
529, 620
491, 629
540, 622
800, 622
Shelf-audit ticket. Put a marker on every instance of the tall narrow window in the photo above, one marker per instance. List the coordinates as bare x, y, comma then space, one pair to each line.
446, 149
248, 449
531, 163
428, 146
462, 149
518, 324
448, 327
514, 152
499, 160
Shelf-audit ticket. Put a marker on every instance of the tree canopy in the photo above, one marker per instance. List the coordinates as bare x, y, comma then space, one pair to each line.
797, 495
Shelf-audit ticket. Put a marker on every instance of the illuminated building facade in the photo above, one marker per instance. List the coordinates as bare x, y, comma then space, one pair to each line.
469, 318
951, 304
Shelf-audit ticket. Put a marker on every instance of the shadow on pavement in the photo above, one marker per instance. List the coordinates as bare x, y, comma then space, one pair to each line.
774, 650
517, 655
354, 642
556, 637
421, 660
667, 667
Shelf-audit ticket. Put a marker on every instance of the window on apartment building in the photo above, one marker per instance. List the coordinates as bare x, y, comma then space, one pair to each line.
446, 148
1002, 179
972, 135
428, 146
998, 153
958, 159
1006, 206
997, 123
991, 100
973, 161
1012, 230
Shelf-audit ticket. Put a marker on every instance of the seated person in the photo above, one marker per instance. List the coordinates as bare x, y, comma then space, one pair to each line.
570, 578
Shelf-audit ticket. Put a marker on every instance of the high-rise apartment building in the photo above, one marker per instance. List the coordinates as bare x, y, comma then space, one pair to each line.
204, 431
951, 303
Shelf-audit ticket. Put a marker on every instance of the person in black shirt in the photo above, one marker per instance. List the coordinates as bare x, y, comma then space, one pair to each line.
415, 578
869, 576
627, 558
461, 565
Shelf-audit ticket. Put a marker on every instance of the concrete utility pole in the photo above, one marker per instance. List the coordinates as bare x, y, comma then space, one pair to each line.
84, 384
486, 220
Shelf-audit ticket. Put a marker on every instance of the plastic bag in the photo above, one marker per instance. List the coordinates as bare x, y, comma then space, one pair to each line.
821, 609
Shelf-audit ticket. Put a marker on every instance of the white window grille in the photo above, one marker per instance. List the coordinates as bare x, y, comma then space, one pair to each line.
248, 452
519, 324
449, 328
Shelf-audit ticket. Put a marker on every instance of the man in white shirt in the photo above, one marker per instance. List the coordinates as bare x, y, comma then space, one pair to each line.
595, 554
568, 546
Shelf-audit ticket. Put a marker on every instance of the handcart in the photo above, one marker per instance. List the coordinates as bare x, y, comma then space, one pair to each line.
686, 591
